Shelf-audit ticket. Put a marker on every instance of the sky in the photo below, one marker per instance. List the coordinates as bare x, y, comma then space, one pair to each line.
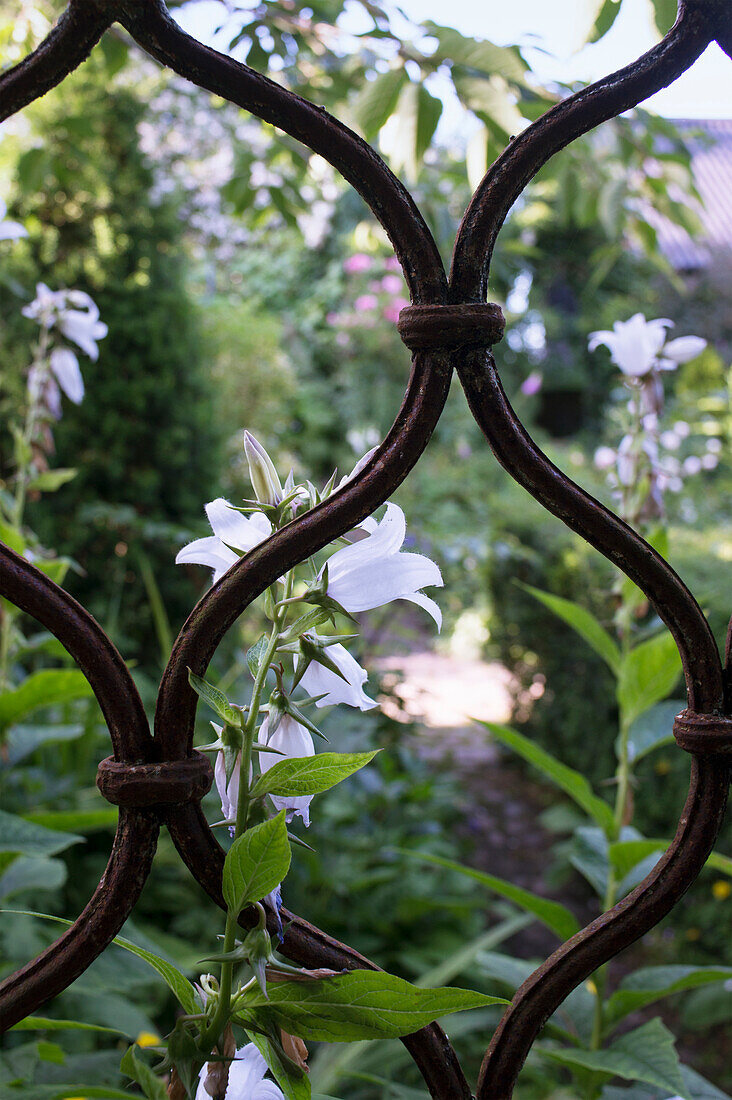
549, 30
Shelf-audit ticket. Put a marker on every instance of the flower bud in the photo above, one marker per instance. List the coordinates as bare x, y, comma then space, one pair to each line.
264, 478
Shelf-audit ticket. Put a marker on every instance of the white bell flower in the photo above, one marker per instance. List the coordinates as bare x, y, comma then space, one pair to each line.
65, 367
230, 529
684, 348
319, 680
82, 326
246, 1078
294, 741
10, 230
228, 793
373, 571
635, 344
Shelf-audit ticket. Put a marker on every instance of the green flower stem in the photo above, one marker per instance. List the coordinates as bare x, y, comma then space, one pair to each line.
212, 1033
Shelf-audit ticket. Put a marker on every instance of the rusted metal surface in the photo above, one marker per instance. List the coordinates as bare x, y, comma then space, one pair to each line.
448, 326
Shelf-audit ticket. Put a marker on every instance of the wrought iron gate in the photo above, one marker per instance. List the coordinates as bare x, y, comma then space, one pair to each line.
160, 779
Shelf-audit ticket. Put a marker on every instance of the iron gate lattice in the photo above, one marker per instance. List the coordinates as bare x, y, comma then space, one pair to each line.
160, 779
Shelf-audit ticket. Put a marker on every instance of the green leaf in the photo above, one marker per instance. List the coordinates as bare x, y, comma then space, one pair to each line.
479, 54
310, 774
362, 1004
31, 873
491, 99
24, 740
82, 821
256, 863
653, 983
417, 114
141, 1073
115, 52
626, 855
174, 979
255, 655
46, 688
32, 168
654, 728
550, 913
50, 480
664, 14
606, 17
19, 835
376, 101
646, 1054
583, 622
216, 700
45, 1023
567, 779
589, 855
647, 675
294, 1088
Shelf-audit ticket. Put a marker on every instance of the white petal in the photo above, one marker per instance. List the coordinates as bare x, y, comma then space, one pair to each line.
236, 529
267, 1090
65, 366
429, 605
319, 680
362, 462
82, 329
385, 541
245, 1073
209, 551
12, 231
381, 582
600, 337
295, 741
685, 348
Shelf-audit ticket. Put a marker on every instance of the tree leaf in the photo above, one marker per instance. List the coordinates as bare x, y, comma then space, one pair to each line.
646, 1054
551, 913
46, 688
216, 700
479, 54
647, 675
45, 1023
606, 17
416, 116
361, 1004
31, 873
376, 101
664, 14
82, 821
310, 774
567, 779
583, 622
19, 835
24, 740
653, 983
256, 863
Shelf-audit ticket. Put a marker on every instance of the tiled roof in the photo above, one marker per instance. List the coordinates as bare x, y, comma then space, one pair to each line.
712, 168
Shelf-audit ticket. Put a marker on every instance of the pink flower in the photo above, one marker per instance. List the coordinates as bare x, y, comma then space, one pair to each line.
395, 307
532, 384
392, 284
357, 263
392, 264
366, 302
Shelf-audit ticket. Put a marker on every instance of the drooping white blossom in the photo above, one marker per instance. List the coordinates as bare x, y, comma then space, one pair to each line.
293, 740
65, 367
10, 230
246, 1078
73, 312
233, 534
374, 571
228, 792
319, 680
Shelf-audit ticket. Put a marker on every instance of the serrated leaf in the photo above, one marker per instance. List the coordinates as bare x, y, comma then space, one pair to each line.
46, 688
362, 1004
647, 675
567, 779
583, 622
152, 1087
653, 983
646, 1054
216, 700
174, 979
479, 54
28, 839
255, 654
376, 101
256, 863
551, 913
310, 774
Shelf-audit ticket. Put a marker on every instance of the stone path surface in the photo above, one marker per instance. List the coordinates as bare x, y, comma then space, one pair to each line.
442, 694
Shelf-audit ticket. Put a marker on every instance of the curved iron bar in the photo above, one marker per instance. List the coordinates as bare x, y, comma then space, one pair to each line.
703, 812
136, 837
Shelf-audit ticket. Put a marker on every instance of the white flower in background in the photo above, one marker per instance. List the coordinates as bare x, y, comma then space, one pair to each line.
319, 680
230, 529
82, 326
65, 367
246, 1078
637, 346
10, 230
372, 571
605, 458
294, 741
